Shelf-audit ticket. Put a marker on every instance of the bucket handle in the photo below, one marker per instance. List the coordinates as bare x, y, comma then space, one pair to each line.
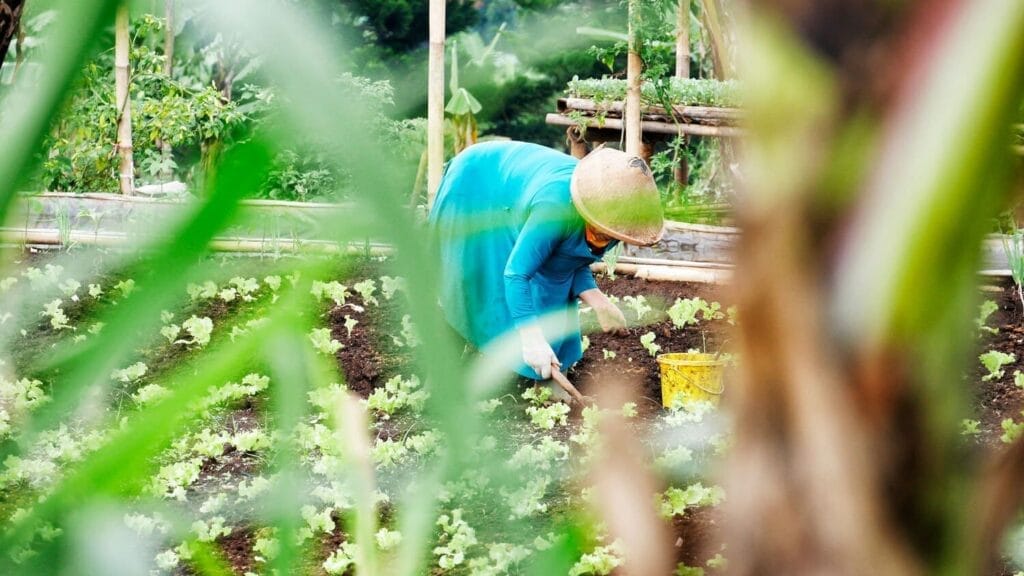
721, 387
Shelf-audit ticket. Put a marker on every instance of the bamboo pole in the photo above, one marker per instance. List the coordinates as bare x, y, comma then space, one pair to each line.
719, 48
48, 237
633, 68
435, 100
683, 40
169, 37
670, 273
122, 49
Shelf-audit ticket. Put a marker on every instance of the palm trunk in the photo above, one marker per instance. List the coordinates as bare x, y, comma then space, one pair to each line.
122, 77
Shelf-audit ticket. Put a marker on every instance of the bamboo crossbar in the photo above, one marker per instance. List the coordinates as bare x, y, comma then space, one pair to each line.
649, 126
136, 199
669, 273
615, 107
49, 237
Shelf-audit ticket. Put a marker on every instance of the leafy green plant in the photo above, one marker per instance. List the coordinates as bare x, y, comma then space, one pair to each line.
647, 341
985, 311
1013, 247
323, 343
681, 91
638, 304
993, 361
970, 427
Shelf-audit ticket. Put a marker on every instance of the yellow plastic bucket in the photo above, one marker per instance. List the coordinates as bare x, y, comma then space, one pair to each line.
690, 377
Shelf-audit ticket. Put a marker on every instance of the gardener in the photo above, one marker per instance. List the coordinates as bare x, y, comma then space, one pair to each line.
517, 226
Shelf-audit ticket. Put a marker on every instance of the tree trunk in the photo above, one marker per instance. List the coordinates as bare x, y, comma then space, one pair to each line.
435, 100
122, 77
10, 22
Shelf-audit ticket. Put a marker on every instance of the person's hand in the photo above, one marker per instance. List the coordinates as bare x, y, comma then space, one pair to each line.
608, 314
610, 317
537, 353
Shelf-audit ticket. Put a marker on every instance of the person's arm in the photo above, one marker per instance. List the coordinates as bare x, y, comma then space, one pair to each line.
608, 314
543, 231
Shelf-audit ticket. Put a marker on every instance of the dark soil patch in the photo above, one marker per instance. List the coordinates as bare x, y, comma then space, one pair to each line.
999, 398
632, 361
369, 356
697, 536
237, 549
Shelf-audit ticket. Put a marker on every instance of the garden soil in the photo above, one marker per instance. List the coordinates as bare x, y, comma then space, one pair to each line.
370, 357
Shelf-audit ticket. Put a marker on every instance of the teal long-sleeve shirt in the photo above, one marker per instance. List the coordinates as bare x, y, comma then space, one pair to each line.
511, 244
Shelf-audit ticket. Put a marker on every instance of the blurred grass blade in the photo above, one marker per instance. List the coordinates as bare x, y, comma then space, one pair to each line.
207, 560
931, 190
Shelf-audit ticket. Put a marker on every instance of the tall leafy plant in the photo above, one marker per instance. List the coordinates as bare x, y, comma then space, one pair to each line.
1013, 248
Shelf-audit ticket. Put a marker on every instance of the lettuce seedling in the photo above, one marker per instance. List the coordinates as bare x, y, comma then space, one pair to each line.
638, 304
601, 562
52, 310
993, 361
985, 310
323, 343
205, 291
647, 341
365, 289
969, 427
389, 285
131, 373
1011, 430
546, 417
200, 329
350, 323
456, 538
684, 312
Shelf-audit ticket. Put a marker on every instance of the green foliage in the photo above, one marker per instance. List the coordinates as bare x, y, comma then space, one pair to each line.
985, 310
993, 361
79, 152
401, 25
681, 91
970, 427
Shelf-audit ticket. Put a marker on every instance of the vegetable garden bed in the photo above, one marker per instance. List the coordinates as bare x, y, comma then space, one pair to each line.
216, 473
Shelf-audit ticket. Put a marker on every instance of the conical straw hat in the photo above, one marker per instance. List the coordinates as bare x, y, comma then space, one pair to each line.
616, 194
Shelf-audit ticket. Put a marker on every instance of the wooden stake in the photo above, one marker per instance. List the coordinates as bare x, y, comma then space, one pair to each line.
633, 68
122, 49
169, 37
719, 48
435, 100
683, 40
